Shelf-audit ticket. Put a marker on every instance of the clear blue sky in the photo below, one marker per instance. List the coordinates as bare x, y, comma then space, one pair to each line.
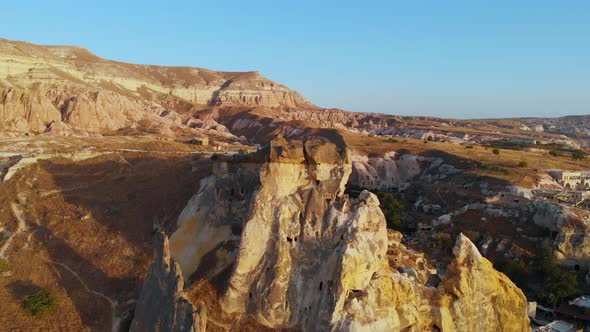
442, 58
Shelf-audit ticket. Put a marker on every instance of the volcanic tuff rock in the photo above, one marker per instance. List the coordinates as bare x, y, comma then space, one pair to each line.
303, 255
162, 305
41, 84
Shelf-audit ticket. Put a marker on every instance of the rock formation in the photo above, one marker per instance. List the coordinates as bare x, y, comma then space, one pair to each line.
42, 84
162, 305
302, 255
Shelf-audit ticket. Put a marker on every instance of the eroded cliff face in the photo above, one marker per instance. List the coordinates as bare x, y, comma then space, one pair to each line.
40, 84
304, 256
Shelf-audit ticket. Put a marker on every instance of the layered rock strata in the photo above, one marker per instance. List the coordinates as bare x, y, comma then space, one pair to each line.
41, 84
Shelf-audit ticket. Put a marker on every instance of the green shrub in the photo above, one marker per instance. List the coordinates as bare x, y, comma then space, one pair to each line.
494, 168
523, 164
40, 303
214, 157
371, 135
555, 153
4, 265
392, 140
393, 211
516, 271
558, 284
496, 151
578, 155
469, 146
443, 242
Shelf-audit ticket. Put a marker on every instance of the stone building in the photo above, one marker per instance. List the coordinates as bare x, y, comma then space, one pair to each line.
572, 179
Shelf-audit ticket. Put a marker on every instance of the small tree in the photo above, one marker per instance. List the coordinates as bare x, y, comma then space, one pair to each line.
558, 284
496, 151
578, 155
393, 211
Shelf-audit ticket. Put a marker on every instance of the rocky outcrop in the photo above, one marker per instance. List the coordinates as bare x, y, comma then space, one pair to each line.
481, 298
302, 255
395, 170
162, 305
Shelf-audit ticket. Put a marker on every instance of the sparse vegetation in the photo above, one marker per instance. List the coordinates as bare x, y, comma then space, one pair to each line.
496, 151
555, 153
578, 155
443, 242
214, 157
523, 164
393, 211
515, 270
469, 146
495, 168
392, 140
4, 265
558, 284
39, 303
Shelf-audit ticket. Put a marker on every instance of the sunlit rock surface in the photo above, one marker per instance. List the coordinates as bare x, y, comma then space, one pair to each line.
302, 255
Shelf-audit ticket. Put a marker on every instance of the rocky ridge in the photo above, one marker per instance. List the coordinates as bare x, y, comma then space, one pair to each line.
43, 84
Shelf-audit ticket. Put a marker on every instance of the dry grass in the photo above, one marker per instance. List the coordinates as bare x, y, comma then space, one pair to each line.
95, 217
537, 161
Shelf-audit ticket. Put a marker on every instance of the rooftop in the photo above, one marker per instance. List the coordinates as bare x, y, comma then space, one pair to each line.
582, 301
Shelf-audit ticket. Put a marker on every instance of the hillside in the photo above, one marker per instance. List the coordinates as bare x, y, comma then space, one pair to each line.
40, 85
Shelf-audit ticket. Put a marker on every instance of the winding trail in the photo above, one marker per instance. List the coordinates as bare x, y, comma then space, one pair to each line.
115, 321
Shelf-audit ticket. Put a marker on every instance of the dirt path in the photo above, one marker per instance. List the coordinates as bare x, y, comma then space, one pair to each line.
21, 227
115, 321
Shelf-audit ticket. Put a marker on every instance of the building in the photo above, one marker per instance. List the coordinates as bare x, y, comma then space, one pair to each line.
204, 141
576, 311
572, 180
521, 140
377, 183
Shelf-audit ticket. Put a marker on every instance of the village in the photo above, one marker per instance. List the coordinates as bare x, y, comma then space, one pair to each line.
574, 191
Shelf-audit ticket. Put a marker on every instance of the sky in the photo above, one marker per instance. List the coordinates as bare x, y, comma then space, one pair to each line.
460, 59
